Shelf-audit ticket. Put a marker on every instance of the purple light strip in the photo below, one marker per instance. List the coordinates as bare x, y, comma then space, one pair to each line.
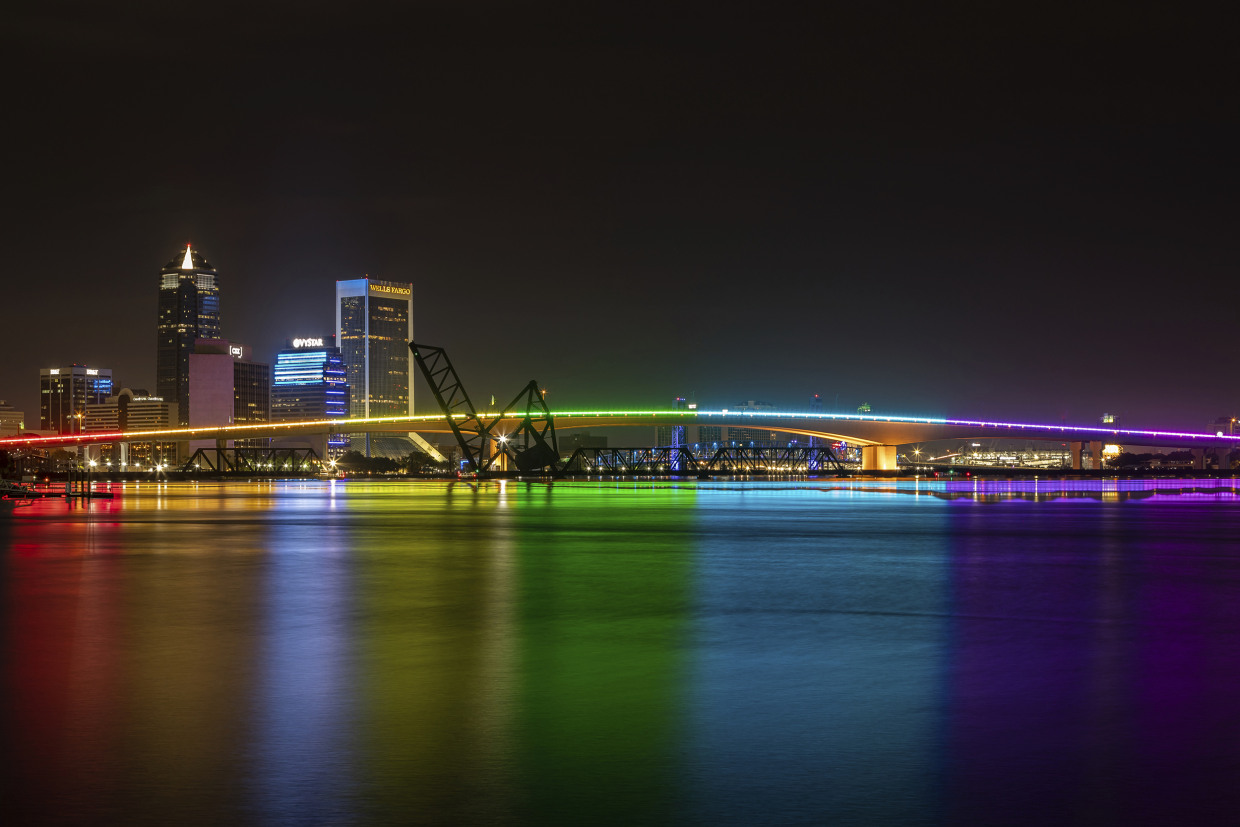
1094, 429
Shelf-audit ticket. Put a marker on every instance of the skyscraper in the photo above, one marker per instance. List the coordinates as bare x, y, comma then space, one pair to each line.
227, 388
311, 383
65, 392
374, 325
189, 309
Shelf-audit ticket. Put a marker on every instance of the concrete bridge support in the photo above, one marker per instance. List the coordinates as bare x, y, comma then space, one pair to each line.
1199, 459
1224, 458
878, 458
1095, 455
425, 446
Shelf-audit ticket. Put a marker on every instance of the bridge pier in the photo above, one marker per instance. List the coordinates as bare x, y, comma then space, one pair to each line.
1224, 458
1199, 459
878, 458
1095, 454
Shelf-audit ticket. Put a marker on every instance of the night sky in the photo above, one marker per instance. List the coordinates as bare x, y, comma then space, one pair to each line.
963, 213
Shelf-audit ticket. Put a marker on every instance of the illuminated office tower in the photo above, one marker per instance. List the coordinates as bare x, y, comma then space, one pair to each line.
189, 309
311, 383
374, 325
64, 394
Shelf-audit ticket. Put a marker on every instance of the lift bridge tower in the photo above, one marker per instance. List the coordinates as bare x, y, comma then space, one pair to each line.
531, 446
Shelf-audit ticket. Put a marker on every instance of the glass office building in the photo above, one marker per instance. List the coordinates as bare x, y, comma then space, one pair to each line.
310, 382
374, 325
189, 309
65, 392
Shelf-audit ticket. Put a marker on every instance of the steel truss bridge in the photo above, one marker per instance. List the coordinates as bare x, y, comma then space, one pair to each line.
522, 435
789, 459
254, 460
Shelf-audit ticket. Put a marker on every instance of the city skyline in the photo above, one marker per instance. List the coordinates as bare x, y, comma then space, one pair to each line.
192, 259
930, 212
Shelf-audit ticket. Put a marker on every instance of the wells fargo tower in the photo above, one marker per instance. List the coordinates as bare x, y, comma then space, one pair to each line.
374, 325
189, 309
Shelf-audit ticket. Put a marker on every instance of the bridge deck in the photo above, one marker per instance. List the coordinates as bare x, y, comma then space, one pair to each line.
856, 429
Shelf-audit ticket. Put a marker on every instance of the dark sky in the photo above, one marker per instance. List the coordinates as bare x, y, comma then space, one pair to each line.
962, 212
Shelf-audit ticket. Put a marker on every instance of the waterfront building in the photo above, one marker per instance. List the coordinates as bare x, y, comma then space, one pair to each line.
12, 422
227, 387
189, 309
759, 437
133, 410
310, 382
374, 325
65, 392
1223, 425
130, 410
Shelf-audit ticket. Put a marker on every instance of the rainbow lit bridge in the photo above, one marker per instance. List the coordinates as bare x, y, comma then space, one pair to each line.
878, 436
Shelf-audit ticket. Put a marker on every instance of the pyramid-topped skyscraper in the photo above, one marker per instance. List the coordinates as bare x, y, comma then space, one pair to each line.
189, 309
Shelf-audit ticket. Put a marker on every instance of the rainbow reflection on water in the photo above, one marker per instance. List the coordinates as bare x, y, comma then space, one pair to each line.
913, 652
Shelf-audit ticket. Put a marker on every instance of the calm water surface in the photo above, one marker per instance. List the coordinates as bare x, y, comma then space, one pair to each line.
626, 653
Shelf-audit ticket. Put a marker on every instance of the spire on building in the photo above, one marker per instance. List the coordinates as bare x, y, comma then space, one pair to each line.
189, 309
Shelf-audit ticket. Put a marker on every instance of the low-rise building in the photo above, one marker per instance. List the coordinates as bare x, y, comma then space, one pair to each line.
12, 422
128, 411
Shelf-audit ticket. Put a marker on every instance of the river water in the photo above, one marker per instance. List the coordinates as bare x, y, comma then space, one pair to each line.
821, 652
